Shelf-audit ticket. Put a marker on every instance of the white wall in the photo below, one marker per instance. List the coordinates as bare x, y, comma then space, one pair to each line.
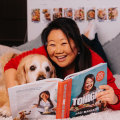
106, 30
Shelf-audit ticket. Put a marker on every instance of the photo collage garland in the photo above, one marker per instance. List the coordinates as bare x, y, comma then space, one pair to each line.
79, 14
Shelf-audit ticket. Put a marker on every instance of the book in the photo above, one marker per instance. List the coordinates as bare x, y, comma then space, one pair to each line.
59, 98
84, 87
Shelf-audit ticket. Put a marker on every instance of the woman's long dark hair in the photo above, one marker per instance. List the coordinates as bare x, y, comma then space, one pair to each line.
71, 30
47, 92
91, 76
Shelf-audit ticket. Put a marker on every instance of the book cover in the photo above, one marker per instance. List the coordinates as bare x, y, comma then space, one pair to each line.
85, 86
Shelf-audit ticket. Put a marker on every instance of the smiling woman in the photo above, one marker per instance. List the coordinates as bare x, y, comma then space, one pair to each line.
65, 47
60, 50
88, 85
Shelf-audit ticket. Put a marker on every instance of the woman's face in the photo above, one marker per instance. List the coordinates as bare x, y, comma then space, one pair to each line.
59, 49
88, 84
44, 96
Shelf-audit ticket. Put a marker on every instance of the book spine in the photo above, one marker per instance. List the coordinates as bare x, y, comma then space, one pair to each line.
68, 99
63, 99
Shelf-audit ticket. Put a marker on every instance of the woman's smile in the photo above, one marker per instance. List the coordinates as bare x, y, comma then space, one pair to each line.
88, 84
61, 58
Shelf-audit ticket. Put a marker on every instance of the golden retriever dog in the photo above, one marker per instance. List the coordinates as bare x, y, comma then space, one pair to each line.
31, 68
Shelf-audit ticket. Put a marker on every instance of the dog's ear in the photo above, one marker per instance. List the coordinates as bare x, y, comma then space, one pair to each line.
21, 73
53, 72
14, 55
6, 57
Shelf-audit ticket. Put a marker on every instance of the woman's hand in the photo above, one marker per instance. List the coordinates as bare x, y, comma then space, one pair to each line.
35, 106
108, 95
54, 109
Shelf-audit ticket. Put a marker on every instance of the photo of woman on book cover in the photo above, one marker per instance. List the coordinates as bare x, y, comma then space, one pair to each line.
88, 86
86, 100
45, 104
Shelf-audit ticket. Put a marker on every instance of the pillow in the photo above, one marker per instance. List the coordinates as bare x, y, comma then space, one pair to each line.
36, 43
96, 46
112, 50
5, 49
117, 80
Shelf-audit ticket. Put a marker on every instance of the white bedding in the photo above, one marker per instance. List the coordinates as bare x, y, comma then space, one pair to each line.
105, 115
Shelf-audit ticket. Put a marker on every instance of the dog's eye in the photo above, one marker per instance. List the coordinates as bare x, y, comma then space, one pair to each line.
47, 69
32, 68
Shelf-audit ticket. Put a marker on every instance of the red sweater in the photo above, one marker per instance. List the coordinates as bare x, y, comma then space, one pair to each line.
96, 59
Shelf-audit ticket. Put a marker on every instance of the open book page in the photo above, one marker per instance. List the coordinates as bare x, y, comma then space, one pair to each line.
34, 100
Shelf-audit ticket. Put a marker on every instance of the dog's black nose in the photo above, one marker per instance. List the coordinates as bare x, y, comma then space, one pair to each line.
41, 77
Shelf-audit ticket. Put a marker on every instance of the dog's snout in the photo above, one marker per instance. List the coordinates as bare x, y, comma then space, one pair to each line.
41, 77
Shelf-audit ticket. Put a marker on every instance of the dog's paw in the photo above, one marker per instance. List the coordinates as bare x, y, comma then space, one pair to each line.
5, 111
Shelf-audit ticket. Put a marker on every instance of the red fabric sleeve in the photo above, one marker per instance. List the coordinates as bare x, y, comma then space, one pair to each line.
96, 59
13, 63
